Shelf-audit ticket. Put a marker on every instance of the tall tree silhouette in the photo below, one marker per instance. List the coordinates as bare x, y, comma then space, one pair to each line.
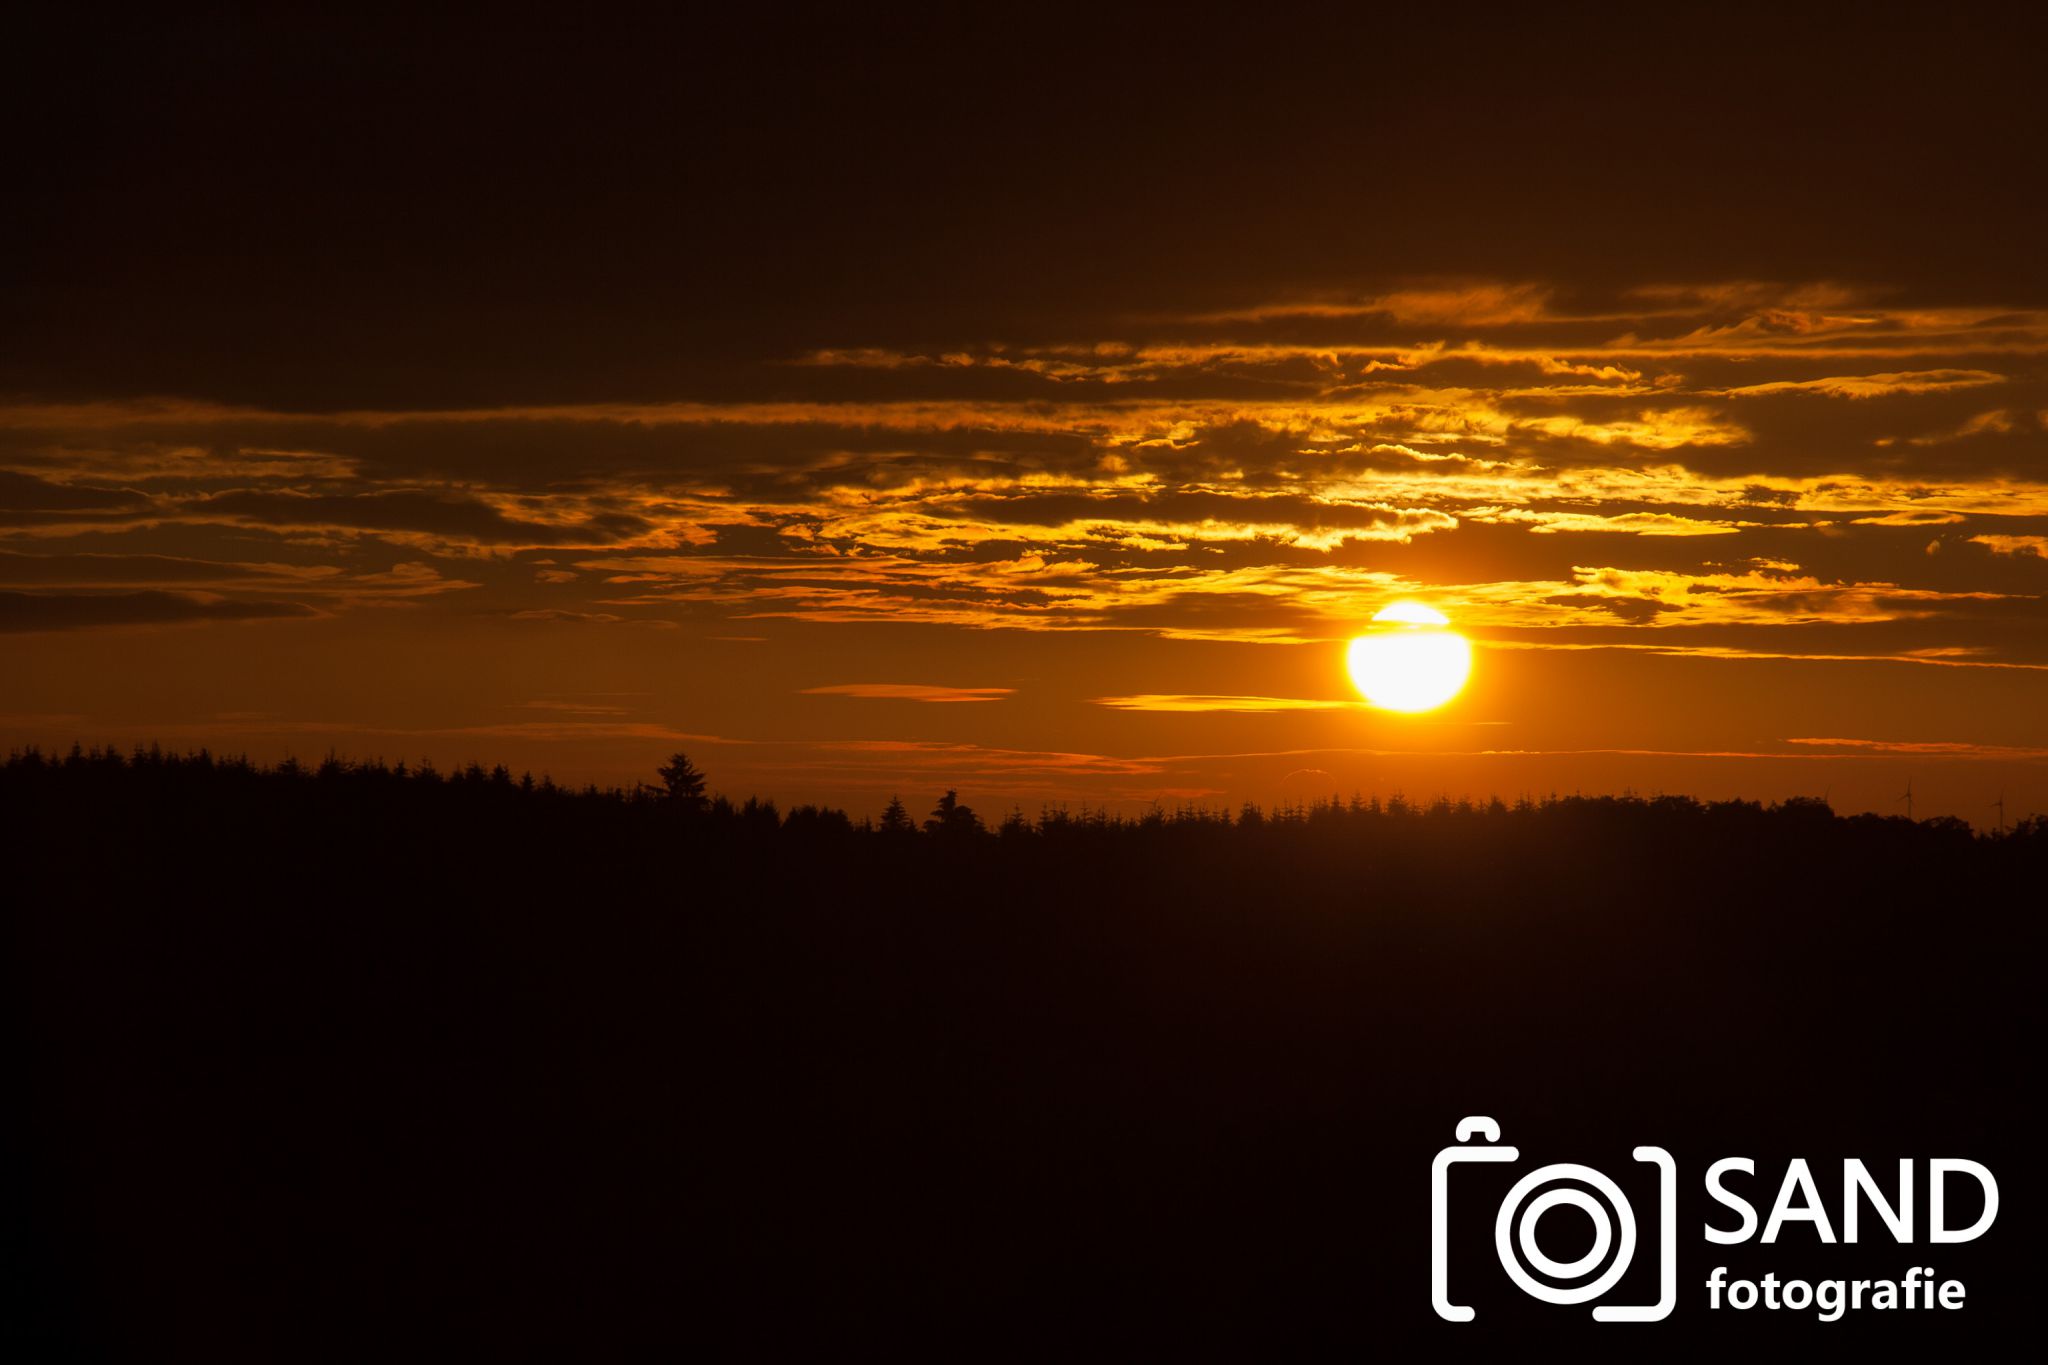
951, 818
895, 819
684, 782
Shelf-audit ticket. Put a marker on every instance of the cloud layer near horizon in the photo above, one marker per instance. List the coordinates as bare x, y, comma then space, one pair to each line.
1682, 467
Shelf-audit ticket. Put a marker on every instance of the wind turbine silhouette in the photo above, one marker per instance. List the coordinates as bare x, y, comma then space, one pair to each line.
1908, 798
2000, 803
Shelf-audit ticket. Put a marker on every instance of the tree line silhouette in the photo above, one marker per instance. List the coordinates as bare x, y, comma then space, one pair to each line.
682, 792
316, 1058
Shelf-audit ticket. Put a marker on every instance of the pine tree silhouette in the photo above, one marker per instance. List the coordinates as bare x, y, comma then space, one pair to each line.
896, 820
684, 782
951, 819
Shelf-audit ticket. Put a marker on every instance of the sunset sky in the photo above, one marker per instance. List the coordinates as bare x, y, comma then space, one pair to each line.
1040, 410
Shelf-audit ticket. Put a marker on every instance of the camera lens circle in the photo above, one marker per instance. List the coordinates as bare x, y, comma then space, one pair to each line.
1603, 1233
1506, 1234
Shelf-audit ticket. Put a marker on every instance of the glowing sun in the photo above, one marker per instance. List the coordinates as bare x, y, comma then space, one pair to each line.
1410, 659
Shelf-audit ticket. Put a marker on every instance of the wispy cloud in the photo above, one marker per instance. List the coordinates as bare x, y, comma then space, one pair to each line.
1156, 701
923, 692
24, 612
2037, 546
1931, 748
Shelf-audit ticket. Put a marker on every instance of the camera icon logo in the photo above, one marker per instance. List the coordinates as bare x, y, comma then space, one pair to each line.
1513, 1234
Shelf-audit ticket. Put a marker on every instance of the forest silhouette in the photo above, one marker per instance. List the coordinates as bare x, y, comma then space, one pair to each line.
319, 1058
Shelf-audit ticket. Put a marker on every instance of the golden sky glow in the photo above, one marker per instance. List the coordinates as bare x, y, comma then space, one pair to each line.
1746, 481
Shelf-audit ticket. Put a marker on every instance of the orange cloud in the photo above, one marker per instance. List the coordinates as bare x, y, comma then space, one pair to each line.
1152, 701
921, 692
2036, 546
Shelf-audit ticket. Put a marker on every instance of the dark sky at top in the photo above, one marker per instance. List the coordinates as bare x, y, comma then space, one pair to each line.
389, 213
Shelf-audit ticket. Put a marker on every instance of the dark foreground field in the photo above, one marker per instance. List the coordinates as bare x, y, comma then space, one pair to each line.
358, 1067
